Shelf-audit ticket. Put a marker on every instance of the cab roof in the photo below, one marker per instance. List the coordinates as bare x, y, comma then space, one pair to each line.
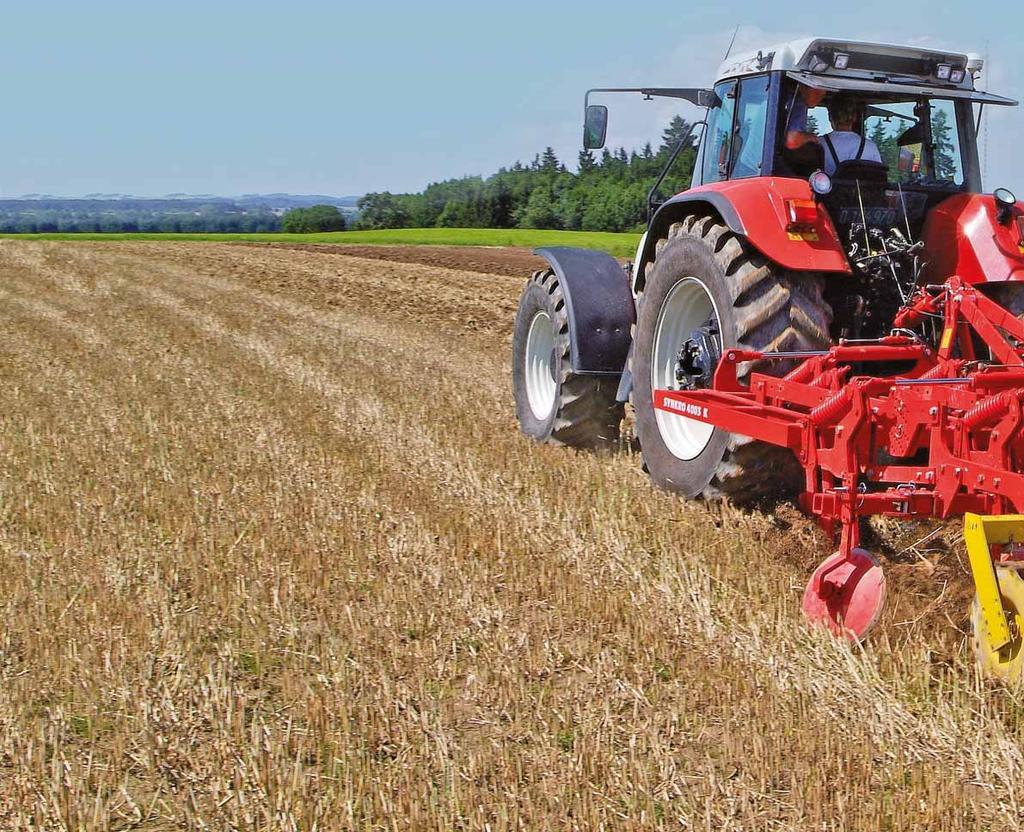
865, 61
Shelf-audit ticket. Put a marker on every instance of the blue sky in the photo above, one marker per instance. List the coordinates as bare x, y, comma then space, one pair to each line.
343, 98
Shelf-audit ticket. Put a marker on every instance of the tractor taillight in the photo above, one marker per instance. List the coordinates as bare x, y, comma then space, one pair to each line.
802, 212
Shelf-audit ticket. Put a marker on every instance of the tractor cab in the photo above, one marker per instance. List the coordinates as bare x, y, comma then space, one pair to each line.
839, 195
915, 112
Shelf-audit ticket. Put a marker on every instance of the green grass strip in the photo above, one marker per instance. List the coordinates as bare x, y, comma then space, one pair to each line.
620, 245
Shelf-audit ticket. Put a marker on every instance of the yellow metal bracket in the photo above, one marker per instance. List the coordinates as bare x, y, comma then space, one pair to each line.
980, 535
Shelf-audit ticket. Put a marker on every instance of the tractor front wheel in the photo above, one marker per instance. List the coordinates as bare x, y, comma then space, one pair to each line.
553, 403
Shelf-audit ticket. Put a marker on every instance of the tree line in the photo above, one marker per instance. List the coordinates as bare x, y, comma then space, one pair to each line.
607, 192
315, 218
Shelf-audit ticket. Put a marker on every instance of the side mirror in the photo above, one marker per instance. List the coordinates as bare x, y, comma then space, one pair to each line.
708, 99
913, 135
595, 127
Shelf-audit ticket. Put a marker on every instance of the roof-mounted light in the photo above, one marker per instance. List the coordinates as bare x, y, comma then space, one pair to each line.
942, 72
956, 76
817, 64
841, 60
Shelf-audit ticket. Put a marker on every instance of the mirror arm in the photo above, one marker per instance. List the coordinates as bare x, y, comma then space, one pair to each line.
652, 195
695, 95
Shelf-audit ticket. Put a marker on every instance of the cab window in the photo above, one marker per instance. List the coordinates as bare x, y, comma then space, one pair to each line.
818, 122
885, 124
751, 118
897, 128
718, 135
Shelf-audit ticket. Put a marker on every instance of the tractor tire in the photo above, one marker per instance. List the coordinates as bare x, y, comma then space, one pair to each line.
554, 404
703, 272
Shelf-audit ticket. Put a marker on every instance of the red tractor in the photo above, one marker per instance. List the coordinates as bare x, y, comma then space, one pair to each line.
796, 269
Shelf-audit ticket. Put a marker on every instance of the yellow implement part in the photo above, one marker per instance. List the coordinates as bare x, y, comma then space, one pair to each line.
1006, 662
999, 596
980, 534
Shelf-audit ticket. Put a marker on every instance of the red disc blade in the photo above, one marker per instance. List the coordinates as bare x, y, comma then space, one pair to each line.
846, 594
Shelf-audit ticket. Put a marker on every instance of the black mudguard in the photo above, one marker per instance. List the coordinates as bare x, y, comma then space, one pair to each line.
599, 305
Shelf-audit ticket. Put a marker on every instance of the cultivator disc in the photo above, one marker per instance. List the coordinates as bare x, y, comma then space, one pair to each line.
846, 594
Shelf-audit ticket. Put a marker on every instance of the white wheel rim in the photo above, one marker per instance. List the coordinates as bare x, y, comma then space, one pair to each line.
540, 366
687, 307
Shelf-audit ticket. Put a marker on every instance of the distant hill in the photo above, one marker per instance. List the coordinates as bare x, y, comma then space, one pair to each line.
286, 201
281, 201
101, 212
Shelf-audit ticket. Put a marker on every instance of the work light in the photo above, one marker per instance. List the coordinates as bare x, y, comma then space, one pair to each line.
821, 183
817, 64
1006, 201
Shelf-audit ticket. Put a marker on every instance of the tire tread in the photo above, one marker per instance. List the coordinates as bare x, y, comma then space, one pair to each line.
774, 310
587, 413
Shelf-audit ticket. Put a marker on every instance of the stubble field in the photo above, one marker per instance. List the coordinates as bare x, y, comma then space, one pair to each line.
274, 556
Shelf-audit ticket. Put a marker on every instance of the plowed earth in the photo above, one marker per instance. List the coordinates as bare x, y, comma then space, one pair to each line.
512, 262
274, 556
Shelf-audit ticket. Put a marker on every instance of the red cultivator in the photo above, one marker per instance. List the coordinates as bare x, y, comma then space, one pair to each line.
895, 426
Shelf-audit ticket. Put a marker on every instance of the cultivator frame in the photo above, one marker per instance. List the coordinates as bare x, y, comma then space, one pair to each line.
904, 426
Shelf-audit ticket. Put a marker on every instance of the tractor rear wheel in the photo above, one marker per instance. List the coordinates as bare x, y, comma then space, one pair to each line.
707, 291
553, 403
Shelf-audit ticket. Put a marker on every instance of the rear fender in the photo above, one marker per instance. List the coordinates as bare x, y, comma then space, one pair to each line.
755, 209
963, 236
599, 306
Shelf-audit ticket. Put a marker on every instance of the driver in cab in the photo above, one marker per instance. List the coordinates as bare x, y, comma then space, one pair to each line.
797, 135
845, 143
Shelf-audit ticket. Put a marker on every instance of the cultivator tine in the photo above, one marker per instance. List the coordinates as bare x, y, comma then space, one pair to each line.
980, 535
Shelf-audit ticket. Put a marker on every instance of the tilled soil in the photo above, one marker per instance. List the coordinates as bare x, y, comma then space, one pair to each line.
513, 262
275, 556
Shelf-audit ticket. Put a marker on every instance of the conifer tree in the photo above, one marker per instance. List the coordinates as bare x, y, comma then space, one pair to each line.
586, 162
